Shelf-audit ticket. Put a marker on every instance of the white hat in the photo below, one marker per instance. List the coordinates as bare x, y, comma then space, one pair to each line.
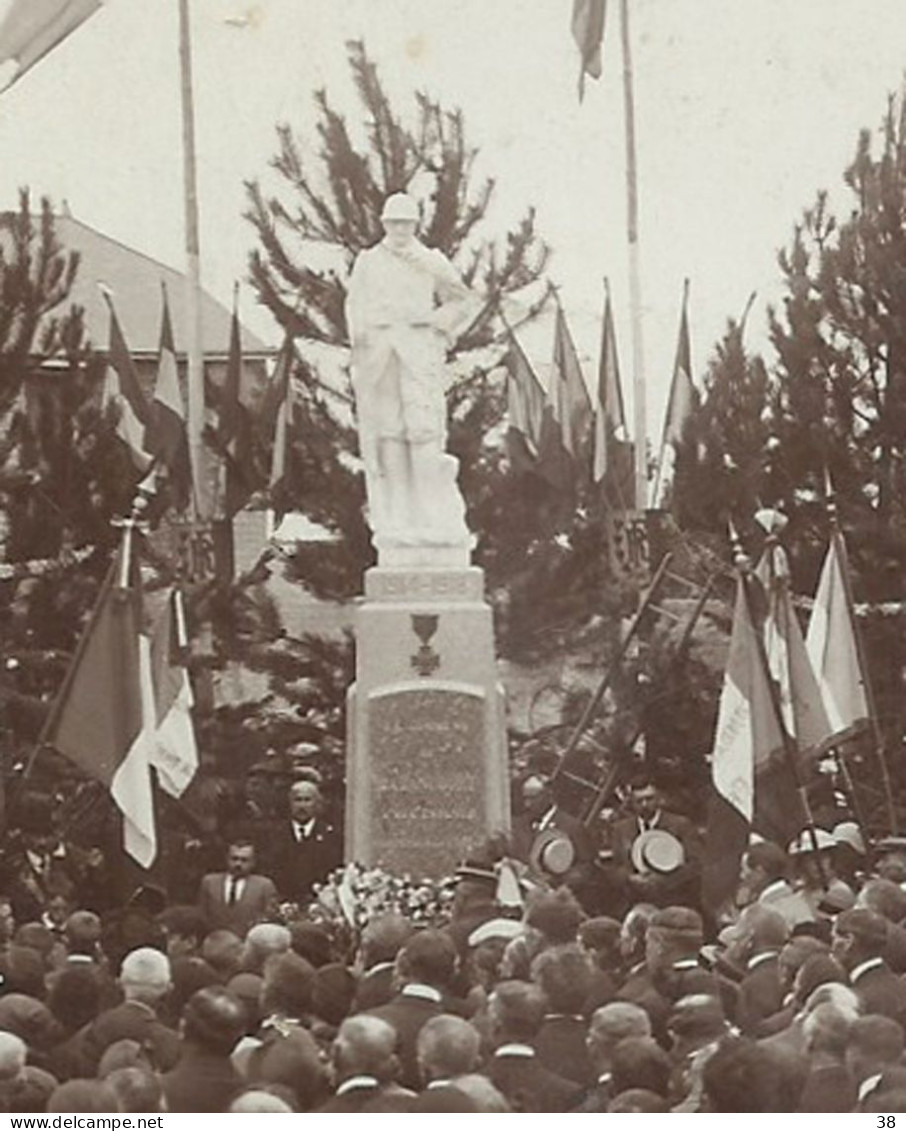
496, 929
400, 206
804, 843
848, 832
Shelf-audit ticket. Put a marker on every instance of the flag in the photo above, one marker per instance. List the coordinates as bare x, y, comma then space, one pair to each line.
282, 388
533, 435
753, 786
801, 704
681, 403
98, 719
168, 437
122, 388
234, 432
613, 454
588, 32
32, 28
832, 645
683, 394
571, 402
172, 747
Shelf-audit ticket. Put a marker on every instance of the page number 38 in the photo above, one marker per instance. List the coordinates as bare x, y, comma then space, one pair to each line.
887, 1121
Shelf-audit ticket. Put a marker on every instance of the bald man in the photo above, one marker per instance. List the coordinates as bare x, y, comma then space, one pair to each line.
364, 1062
306, 848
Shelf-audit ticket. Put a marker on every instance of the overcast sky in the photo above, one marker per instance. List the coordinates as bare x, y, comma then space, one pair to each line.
744, 110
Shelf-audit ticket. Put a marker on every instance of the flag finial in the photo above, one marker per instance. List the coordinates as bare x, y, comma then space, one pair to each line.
741, 559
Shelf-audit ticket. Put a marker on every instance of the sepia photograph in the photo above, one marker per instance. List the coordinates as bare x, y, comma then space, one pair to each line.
452, 557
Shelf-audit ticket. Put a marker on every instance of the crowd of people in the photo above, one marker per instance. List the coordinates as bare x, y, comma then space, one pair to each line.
604, 988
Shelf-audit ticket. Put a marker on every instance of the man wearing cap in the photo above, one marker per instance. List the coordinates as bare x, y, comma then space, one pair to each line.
406, 305
658, 853
858, 942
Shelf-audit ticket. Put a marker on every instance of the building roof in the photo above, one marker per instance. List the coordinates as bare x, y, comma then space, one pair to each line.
135, 282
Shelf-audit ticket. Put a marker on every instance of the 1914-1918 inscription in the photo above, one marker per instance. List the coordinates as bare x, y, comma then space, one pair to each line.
427, 768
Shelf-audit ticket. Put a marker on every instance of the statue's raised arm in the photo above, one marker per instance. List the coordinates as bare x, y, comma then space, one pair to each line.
406, 304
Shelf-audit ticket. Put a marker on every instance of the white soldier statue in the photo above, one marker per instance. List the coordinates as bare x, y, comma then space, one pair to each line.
406, 305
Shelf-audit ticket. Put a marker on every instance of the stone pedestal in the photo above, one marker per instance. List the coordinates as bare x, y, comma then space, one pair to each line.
426, 759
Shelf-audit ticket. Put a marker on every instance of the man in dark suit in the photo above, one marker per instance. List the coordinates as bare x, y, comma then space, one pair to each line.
515, 1014
679, 885
425, 966
145, 982
236, 899
609, 1025
204, 1078
541, 813
753, 947
307, 847
564, 974
859, 941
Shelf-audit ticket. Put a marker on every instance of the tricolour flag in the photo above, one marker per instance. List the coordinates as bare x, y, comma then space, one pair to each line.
681, 403
832, 644
122, 388
801, 704
533, 435
98, 719
613, 453
172, 746
168, 437
571, 402
234, 431
282, 390
753, 784
31, 28
588, 32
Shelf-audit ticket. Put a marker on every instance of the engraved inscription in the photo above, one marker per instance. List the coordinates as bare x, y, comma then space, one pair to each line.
440, 585
428, 783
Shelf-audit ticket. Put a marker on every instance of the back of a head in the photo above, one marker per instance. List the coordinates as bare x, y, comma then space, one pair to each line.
884, 897
637, 1101
82, 932
125, 1053
136, 1089
877, 1040
518, 1010
311, 942
222, 950
564, 974
556, 914
333, 992
842, 998
447, 1046
13, 1053
482, 1093
618, 1020
288, 985
766, 928
84, 1096
31, 1091
263, 940
37, 936
213, 1019
770, 857
383, 937
145, 974
74, 997
817, 970
429, 957
184, 920
745, 1076
867, 928
364, 1046
31, 1020
826, 1030
640, 1062
601, 934
258, 1102
673, 932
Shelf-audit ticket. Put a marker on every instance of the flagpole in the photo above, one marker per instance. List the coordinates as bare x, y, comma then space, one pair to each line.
201, 503
744, 569
640, 412
839, 547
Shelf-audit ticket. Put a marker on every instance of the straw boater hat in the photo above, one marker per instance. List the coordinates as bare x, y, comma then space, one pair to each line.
657, 851
552, 854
